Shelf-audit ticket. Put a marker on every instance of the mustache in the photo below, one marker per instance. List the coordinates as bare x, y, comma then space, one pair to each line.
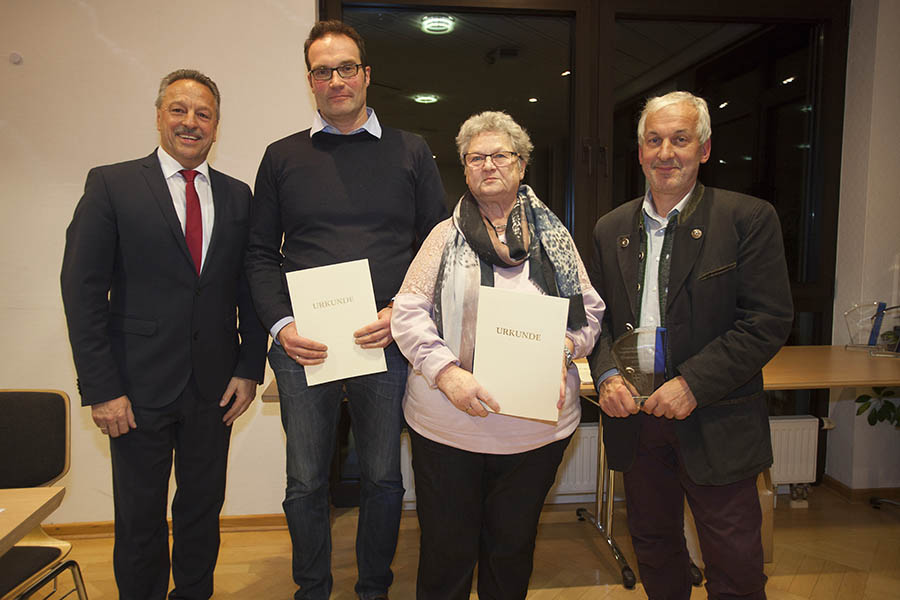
182, 130
667, 163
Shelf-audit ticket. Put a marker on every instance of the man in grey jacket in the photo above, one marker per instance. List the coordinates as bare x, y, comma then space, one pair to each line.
708, 266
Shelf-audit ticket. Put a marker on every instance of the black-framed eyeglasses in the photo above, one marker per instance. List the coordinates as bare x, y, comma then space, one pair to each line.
499, 159
326, 73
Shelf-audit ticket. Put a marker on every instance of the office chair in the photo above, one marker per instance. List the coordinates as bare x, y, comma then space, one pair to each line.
34, 451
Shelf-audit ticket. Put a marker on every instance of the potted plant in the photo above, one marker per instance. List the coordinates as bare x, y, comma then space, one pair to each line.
882, 405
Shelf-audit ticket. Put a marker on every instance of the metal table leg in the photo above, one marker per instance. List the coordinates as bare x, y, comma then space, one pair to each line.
602, 519
877, 502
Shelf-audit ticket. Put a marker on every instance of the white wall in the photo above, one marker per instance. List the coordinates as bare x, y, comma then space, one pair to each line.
868, 250
83, 96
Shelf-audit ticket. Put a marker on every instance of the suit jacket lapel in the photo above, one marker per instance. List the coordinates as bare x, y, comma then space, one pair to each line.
628, 250
689, 236
220, 197
157, 183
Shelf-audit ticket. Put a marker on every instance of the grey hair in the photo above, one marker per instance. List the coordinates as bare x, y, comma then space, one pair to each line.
704, 129
193, 74
494, 121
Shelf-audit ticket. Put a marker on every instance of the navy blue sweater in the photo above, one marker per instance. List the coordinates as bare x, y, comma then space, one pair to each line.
337, 198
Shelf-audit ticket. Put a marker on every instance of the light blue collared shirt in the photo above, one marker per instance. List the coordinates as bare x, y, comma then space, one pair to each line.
655, 229
320, 125
371, 125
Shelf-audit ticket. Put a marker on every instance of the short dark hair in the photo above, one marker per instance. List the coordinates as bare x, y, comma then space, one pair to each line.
197, 76
334, 27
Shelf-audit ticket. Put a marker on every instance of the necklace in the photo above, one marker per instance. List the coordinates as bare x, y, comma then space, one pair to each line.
498, 229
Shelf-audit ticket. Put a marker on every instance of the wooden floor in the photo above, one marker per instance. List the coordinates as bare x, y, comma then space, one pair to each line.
833, 549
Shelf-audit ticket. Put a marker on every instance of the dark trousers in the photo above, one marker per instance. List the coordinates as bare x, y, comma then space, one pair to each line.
728, 519
479, 508
192, 429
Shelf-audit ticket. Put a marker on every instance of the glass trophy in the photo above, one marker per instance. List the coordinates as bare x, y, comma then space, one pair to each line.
875, 327
640, 356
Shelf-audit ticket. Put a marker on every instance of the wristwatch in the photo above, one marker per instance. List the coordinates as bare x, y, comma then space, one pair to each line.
570, 358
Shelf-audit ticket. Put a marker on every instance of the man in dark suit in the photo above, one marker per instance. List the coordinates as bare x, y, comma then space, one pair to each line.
708, 265
152, 282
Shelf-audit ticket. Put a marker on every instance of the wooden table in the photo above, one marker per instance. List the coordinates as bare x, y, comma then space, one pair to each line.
817, 367
24, 509
793, 368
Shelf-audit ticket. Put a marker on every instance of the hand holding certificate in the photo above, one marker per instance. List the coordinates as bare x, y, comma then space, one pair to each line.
330, 303
518, 351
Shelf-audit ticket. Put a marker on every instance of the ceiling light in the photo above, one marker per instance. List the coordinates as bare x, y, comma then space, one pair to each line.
724, 104
532, 100
787, 81
565, 73
437, 24
425, 98
722, 162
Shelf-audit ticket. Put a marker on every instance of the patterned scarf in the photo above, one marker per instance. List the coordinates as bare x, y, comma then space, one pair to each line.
533, 233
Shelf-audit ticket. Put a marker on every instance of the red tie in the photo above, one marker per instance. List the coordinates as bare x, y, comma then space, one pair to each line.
193, 224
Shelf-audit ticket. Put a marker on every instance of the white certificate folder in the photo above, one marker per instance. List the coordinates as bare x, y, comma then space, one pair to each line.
329, 304
519, 342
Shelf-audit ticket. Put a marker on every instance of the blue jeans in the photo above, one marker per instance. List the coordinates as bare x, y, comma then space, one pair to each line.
310, 418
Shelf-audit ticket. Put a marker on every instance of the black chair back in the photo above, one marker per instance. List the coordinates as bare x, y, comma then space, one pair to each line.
34, 437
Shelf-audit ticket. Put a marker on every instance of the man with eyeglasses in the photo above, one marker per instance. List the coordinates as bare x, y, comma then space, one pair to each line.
347, 188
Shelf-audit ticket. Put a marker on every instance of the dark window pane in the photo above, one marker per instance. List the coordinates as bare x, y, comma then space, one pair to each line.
761, 87
487, 62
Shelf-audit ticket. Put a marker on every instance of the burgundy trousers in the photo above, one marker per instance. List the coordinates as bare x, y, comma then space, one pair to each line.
728, 519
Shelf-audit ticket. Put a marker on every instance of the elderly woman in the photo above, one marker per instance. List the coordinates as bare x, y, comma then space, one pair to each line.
481, 477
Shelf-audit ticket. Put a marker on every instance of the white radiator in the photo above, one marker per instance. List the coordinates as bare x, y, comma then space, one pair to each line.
795, 441
794, 445
576, 480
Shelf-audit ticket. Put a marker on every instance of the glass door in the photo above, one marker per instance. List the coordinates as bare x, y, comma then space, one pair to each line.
435, 64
